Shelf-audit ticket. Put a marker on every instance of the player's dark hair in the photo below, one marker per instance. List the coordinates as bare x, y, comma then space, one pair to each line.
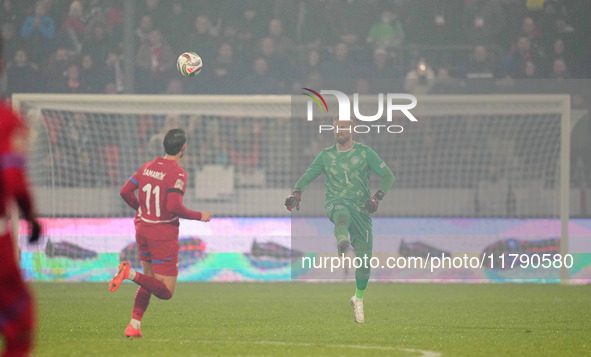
174, 141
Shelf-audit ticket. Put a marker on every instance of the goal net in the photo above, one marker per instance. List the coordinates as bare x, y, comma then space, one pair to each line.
495, 157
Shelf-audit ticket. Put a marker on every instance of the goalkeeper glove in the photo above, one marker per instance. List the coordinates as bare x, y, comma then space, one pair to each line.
374, 201
294, 200
35, 230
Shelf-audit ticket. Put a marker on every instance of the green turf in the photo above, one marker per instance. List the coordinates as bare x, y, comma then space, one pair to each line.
287, 319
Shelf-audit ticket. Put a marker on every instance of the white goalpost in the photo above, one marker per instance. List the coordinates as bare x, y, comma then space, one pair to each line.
247, 151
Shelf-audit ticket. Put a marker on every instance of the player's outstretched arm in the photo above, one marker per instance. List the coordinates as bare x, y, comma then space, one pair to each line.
174, 204
14, 179
314, 170
379, 167
128, 194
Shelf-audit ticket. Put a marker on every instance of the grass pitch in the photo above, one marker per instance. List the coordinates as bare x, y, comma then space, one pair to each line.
291, 319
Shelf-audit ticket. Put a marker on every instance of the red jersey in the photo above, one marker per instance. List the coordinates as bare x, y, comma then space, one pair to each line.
155, 180
12, 163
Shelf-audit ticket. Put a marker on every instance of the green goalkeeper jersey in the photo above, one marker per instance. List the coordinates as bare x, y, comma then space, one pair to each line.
347, 173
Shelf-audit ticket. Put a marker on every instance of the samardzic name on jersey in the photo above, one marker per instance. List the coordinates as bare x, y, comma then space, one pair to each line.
155, 174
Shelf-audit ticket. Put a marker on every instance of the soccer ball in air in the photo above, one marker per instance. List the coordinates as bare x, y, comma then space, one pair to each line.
189, 64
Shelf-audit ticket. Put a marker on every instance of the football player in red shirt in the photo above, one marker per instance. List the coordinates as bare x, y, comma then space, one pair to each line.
161, 184
16, 303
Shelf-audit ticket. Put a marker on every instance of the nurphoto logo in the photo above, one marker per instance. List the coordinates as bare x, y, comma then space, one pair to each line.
391, 103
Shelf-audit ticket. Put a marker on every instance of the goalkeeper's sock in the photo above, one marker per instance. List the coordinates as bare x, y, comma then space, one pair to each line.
362, 274
359, 293
153, 285
142, 300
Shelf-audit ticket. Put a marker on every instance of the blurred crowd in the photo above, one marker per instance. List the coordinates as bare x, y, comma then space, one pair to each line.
278, 46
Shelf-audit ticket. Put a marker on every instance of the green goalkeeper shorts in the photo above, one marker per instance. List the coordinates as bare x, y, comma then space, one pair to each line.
360, 231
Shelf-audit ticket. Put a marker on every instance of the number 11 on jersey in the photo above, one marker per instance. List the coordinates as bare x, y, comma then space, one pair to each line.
156, 192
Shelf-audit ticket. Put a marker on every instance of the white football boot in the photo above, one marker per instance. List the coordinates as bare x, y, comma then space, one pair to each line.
357, 309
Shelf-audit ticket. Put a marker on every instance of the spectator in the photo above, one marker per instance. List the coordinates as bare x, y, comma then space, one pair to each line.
38, 32
479, 65
531, 70
420, 79
350, 19
81, 151
530, 31
72, 82
302, 82
313, 80
153, 9
74, 20
483, 21
559, 70
444, 83
21, 74
249, 26
554, 10
277, 63
230, 35
216, 150
201, 37
381, 73
513, 64
514, 11
283, 44
9, 13
91, 75
311, 64
387, 33
260, 81
72, 29
9, 41
114, 18
558, 51
114, 71
94, 12
307, 24
224, 72
99, 43
175, 28
535, 5
245, 146
56, 68
338, 70
197, 138
154, 62
434, 22
146, 25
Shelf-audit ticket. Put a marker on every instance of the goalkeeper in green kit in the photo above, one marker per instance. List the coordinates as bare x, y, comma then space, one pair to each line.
348, 203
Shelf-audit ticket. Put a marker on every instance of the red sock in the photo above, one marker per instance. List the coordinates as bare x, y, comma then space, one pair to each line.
142, 299
18, 332
153, 285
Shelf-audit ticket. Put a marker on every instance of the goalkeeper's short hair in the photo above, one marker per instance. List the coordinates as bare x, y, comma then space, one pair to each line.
174, 141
